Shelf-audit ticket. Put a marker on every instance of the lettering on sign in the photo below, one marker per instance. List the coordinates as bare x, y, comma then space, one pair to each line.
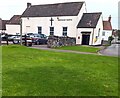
64, 19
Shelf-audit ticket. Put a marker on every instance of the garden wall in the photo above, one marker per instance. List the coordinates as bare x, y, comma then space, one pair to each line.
56, 41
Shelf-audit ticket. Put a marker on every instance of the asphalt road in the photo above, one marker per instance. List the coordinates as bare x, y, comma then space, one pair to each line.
113, 50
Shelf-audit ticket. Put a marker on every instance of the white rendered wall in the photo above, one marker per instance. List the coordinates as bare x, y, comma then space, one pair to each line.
79, 34
31, 24
12, 29
108, 33
93, 34
96, 31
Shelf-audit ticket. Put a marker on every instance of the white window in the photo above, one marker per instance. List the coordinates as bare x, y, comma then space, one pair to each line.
64, 31
103, 34
51, 30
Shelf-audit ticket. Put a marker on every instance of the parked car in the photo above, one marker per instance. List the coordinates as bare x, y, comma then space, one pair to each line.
11, 37
40, 41
26, 40
118, 42
4, 37
16, 40
7, 37
38, 38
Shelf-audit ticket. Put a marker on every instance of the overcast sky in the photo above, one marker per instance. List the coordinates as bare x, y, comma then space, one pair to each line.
8, 8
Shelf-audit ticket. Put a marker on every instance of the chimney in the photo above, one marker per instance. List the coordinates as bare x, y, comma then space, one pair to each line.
109, 18
28, 5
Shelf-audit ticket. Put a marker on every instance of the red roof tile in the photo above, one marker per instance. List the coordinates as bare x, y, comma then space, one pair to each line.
107, 25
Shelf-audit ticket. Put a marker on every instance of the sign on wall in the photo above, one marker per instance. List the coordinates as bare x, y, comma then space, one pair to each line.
63, 19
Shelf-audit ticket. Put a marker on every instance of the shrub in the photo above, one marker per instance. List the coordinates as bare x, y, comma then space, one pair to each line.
110, 39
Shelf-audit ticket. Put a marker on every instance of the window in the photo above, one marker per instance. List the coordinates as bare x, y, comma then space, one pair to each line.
51, 30
39, 30
64, 31
103, 34
99, 32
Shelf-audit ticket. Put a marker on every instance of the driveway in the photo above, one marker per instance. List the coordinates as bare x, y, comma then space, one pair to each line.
113, 50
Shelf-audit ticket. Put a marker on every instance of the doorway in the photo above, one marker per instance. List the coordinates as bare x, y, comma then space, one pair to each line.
85, 39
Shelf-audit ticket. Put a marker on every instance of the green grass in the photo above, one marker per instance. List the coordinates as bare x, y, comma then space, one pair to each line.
80, 48
0, 71
32, 72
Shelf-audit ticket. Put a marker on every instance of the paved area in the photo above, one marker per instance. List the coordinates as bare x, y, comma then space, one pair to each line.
44, 47
113, 50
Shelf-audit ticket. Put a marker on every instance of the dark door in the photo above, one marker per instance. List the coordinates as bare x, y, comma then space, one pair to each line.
85, 39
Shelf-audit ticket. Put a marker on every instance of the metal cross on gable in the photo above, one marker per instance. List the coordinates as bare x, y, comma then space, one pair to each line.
51, 20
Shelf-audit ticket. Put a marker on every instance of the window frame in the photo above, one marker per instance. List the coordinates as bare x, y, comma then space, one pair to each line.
103, 33
39, 30
51, 30
64, 31
99, 32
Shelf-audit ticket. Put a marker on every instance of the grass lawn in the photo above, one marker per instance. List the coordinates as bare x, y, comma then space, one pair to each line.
80, 48
32, 72
0, 71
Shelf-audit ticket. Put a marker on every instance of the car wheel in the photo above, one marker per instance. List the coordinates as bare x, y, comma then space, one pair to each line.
15, 42
37, 43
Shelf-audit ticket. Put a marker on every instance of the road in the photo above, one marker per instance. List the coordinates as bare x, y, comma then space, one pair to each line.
113, 50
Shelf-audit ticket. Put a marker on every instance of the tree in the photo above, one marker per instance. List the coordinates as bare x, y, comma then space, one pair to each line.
110, 39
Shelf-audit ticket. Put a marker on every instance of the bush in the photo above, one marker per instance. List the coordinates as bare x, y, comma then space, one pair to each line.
110, 39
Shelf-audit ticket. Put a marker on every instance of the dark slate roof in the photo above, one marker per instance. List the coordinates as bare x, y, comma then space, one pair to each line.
89, 20
107, 25
15, 20
49, 10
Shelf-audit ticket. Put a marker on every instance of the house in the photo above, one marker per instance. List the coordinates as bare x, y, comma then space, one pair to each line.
90, 29
13, 26
64, 19
0, 25
59, 19
107, 29
3, 25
